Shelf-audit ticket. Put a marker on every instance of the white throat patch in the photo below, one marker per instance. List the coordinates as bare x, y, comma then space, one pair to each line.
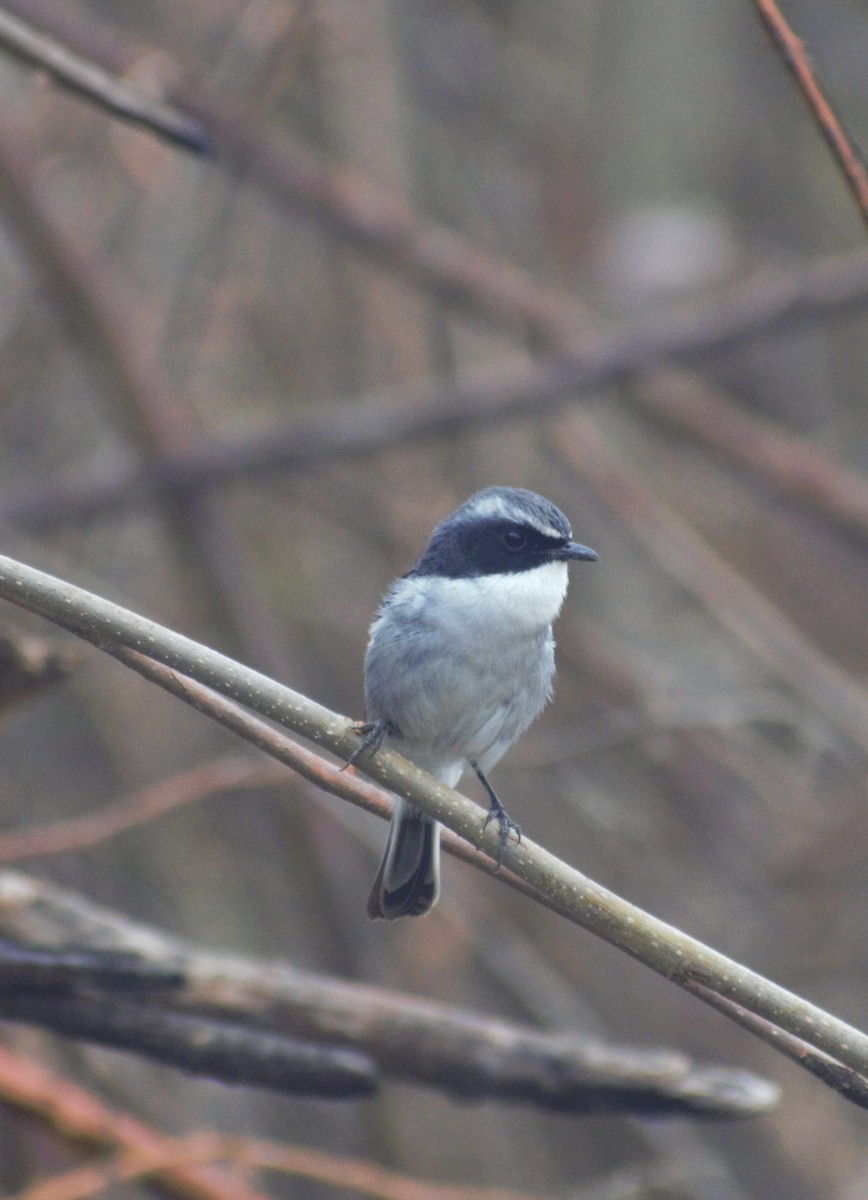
500, 606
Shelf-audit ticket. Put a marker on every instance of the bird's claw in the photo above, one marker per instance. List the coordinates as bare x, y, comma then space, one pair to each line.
373, 734
506, 826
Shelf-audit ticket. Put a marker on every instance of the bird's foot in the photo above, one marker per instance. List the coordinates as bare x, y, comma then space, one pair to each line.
373, 734
506, 825
498, 813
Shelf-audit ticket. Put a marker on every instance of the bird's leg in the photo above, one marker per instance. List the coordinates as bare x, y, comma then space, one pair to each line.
497, 813
373, 734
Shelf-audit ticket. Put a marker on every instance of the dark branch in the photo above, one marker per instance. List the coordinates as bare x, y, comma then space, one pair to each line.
199, 1045
271, 1026
86, 78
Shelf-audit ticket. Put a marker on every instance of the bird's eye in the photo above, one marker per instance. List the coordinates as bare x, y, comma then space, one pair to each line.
514, 539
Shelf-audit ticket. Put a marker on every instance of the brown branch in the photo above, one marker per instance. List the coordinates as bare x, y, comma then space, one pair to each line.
188, 787
106, 322
191, 787
125, 1165
102, 321
228, 774
848, 1083
513, 389
371, 218
81, 1117
256, 1154
345, 784
364, 1177
792, 51
358, 210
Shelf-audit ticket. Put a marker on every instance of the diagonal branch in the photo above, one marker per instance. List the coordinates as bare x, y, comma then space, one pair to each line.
85, 77
658, 945
792, 51
79, 1116
363, 213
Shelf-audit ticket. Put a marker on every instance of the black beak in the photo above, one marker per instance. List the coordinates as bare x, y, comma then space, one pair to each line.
573, 550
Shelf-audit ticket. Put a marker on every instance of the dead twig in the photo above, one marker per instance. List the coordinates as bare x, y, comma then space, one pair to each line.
792, 51
81, 1117
189, 787
102, 88
214, 1046
269, 1025
362, 212
368, 1179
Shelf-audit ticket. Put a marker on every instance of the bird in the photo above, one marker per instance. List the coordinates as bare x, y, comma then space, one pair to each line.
459, 662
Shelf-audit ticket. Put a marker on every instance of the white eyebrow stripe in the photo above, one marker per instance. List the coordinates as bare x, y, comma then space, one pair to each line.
550, 531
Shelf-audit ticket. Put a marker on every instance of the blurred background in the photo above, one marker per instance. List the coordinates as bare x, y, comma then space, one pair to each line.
411, 191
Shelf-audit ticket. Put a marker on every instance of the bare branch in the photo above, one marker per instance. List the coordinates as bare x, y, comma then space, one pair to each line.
659, 946
272, 1026
79, 75
792, 51
81, 1117
91, 828
199, 1045
850, 1084
768, 301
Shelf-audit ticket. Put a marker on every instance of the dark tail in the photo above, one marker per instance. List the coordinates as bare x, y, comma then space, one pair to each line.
408, 881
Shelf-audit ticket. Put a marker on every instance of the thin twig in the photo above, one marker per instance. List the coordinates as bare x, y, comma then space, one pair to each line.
80, 1116
345, 784
358, 1176
663, 948
101, 824
366, 1178
106, 323
103, 322
847, 1082
80, 75
792, 51
192, 786
189, 787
